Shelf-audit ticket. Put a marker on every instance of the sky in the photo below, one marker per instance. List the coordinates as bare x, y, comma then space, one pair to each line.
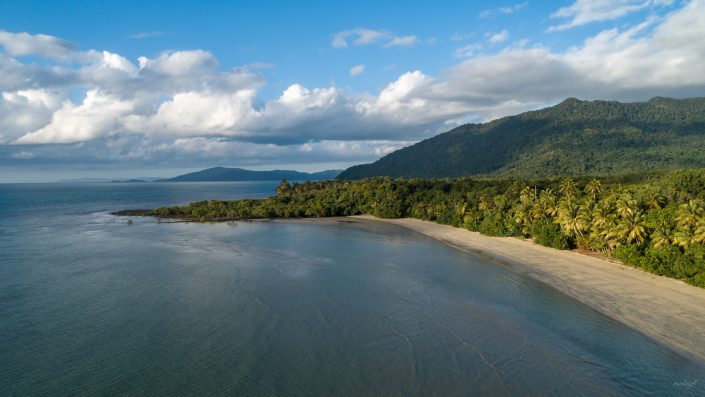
128, 89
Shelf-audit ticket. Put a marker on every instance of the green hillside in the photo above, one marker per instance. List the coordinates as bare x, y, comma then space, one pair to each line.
572, 138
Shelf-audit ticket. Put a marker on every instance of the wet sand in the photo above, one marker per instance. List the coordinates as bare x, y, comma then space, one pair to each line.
667, 310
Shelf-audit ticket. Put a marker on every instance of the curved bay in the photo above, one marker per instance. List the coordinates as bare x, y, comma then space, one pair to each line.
89, 305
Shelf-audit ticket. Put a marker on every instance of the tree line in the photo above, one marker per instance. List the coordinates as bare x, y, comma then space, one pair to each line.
655, 221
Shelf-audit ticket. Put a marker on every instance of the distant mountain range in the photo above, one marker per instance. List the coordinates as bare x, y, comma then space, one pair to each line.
133, 181
222, 174
572, 138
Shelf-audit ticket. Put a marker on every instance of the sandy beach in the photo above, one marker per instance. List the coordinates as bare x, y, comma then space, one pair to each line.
667, 310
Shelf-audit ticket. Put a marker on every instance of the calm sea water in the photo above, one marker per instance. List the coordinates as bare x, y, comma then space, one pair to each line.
92, 306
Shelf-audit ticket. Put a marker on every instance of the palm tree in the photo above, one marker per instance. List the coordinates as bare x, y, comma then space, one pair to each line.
602, 216
567, 187
571, 218
611, 237
684, 237
483, 204
500, 202
526, 196
690, 220
549, 202
603, 226
662, 236
690, 214
631, 228
538, 210
460, 208
594, 188
699, 234
522, 216
656, 201
626, 206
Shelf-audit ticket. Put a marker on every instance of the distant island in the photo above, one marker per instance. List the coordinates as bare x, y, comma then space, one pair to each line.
129, 181
223, 174
572, 138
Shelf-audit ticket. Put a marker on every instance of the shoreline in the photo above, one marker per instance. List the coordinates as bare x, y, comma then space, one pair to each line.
666, 310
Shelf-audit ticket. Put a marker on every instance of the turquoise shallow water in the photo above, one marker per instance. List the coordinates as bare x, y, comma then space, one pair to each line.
92, 306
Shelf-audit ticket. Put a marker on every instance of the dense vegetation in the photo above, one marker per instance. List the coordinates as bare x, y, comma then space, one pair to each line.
219, 174
572, 138
652, 221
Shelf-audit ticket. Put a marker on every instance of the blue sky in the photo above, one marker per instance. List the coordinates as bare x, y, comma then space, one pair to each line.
296, 39
123, 89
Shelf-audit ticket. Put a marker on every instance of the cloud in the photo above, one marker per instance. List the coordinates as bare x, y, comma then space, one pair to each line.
194, 113
633, 64
22, 44
181, 107
583, 12
513, 8
467, 51
499, 37
402, 41
357, 70
179, 63
93, 118
26, 110
145, 35
503, 10
359, 36
364, 36
473, 49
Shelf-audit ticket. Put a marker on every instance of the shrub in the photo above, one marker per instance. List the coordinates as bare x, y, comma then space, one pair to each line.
630, 254
671, 261
496, 224
661, 260
549, 234
691, 267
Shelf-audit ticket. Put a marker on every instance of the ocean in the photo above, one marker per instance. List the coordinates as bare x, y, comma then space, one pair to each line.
90, 305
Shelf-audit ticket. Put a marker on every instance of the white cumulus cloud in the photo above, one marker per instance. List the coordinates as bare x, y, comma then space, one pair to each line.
95, 117
357, 70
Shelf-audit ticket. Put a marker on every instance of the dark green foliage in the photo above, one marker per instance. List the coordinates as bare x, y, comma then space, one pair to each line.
632, 255
688, 183
549, 234
492, 225
671, 261
572, 138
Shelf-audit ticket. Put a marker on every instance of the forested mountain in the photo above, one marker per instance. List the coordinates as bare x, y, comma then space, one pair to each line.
222, 174
572, 138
